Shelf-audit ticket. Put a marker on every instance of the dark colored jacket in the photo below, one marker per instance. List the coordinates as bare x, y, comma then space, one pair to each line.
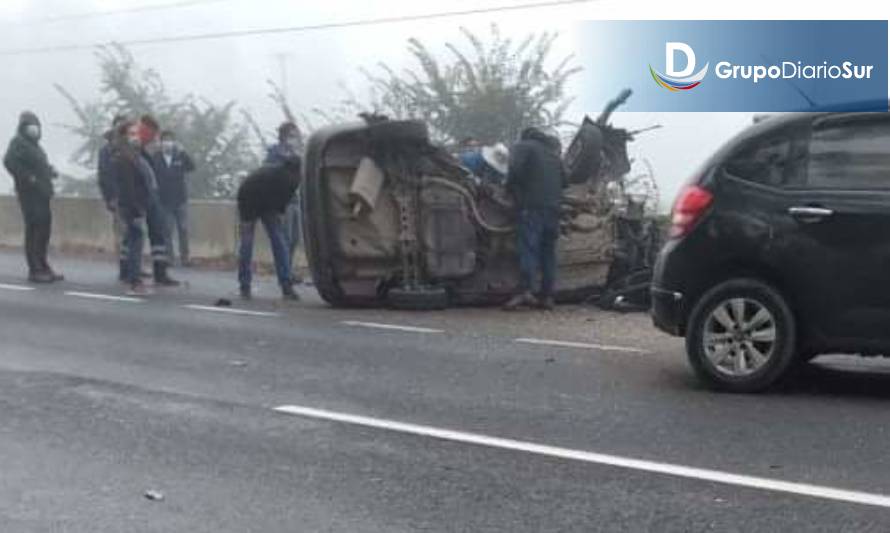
172, 186
268, 190
105, 174
536, 175
26, 161
132, 185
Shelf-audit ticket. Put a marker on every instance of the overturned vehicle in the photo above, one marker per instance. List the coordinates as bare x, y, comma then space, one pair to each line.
392, 220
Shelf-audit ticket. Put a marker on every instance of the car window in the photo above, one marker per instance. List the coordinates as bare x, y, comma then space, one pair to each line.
765, 161
851, 155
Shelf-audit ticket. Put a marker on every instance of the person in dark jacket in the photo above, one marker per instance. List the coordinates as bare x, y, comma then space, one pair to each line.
155, 218
288, 148
108, 187
536, 179
29, 166
172, 165
133, 198
264, 196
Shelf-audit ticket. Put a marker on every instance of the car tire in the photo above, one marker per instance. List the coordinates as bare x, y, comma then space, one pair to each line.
715, 316
428, 299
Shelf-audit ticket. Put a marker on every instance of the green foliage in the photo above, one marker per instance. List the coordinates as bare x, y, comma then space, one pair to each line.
217, 139
491, 91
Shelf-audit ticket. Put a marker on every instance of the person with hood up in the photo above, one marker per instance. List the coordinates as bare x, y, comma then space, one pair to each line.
536, 179
29, 166
287, 149
264, 196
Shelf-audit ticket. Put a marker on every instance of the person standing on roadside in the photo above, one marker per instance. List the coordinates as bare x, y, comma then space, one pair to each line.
108, 188
536, 178
172, 165
148, 129
287, 150
29, 166
132, 200
264, 196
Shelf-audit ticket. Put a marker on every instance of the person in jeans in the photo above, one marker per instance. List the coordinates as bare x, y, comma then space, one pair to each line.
264, 196
133, 198
288, 148
29, 166
536, 179
172, 164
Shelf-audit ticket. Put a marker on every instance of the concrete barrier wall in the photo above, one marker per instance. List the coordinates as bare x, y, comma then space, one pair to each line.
83, 224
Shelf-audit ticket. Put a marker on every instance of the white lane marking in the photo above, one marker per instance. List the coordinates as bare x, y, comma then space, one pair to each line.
230, 311
669, 469
585, 345
394, 327
21, 288
105, 297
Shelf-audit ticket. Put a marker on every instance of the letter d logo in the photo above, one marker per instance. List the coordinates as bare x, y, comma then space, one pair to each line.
670, 51
678, 80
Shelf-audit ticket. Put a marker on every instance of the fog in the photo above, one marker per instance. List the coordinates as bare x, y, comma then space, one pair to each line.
314, 63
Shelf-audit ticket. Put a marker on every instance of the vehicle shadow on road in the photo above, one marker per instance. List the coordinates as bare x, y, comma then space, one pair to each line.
839, 379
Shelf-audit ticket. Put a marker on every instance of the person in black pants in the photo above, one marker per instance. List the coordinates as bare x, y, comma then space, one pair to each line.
536, 178
29, 166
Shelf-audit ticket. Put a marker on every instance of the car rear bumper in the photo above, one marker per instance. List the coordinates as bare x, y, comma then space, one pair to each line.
667, 311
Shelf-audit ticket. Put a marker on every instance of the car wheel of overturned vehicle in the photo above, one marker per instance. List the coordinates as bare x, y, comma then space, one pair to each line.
741, 336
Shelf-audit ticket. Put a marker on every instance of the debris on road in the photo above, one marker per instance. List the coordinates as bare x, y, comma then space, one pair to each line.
154, 495
223, 302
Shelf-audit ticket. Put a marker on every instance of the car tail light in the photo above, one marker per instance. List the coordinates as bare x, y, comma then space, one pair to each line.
691, 204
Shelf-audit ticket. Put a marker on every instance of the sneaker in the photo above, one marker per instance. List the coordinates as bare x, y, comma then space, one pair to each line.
41, 277
288, 293
56, 276
525, 299
246, 293
138, 289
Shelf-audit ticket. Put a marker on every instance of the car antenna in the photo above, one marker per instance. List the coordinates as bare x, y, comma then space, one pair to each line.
794, 86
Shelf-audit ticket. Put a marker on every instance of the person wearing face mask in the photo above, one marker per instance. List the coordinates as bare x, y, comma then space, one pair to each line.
29, 166
172, 164
148, 130
287, 150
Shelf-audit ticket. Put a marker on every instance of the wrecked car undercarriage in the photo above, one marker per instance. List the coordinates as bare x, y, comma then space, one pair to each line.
391, 219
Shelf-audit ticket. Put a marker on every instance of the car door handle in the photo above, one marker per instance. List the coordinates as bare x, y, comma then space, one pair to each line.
810, 212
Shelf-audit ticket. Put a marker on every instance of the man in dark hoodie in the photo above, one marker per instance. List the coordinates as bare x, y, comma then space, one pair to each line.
29, 166
536, 178
133, 198
264, 195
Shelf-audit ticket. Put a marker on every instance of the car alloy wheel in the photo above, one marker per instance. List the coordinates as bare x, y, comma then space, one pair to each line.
739, 337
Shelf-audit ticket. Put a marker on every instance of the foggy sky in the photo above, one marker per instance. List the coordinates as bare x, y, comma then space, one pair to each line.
316, 63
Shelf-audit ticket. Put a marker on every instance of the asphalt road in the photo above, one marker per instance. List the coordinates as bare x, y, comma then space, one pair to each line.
297, 417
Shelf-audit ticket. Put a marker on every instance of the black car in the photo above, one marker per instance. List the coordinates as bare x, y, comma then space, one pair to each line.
779, 249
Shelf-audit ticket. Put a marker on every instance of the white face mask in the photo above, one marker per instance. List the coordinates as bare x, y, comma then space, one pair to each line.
293, 143
32, 131
168, 146
134, 141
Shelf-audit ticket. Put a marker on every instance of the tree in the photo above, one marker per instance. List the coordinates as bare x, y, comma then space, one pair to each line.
218, 142
490, 92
